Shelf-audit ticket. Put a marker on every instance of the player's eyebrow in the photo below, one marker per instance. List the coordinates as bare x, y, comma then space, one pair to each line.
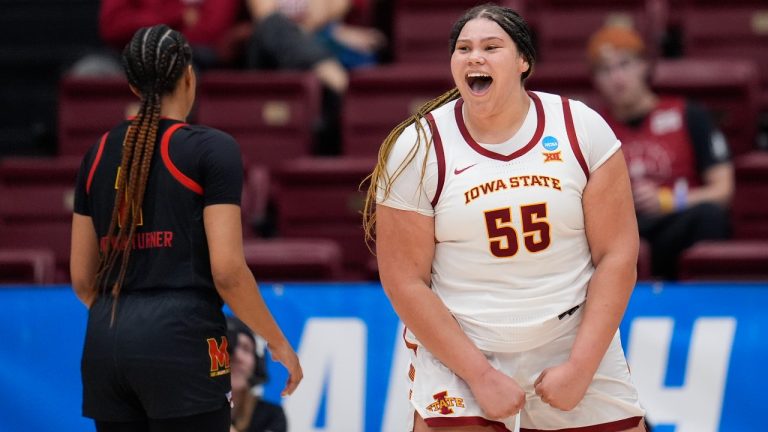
481, 40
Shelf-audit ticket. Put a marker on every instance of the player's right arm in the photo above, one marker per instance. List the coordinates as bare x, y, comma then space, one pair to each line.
221, 168
237, 286
405, 247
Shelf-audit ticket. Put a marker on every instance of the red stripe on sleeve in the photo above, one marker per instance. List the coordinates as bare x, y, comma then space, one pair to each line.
178, 175
95, 164
571, 130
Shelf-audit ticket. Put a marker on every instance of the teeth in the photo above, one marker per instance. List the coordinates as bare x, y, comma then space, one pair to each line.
477, 75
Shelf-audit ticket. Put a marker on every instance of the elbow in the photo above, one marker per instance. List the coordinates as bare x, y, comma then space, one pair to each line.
226, 277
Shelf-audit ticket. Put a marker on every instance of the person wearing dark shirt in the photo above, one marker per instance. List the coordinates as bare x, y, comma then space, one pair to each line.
156, 250
679, 164
250, 412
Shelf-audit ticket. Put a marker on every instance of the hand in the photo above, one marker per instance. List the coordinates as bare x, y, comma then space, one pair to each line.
284, 354
562, 386
498, 395
646, 196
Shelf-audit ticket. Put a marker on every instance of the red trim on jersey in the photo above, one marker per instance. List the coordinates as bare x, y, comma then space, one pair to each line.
540, 120
96, 161
178, 175
411, 346
571, 130
440, 158
465, 421
616, 426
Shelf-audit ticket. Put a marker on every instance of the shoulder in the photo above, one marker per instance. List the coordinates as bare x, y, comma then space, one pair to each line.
205, 134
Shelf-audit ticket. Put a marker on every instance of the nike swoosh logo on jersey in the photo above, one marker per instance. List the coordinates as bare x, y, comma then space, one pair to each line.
459, 171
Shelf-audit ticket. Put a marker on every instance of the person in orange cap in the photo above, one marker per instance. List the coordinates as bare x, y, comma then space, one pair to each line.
679, 163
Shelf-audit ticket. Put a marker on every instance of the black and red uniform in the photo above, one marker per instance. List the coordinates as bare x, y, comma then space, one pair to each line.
165, 355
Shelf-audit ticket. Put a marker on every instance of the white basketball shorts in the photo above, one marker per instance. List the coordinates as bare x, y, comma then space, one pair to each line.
611, 403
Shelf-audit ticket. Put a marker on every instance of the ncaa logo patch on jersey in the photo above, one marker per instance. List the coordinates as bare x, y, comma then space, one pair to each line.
549, 142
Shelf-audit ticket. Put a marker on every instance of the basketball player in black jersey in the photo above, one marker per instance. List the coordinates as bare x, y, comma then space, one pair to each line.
156, 247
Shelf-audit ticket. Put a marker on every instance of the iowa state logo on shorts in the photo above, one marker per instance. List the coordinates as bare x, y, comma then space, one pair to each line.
444, 404
219, 356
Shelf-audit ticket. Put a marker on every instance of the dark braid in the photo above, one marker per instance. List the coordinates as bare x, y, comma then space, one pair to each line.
154, 62
510, 21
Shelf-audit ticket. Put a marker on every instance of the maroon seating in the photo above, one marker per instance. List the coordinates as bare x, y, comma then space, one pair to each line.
726, 260
378, 99
567, 78
53, 235
42, 170
26, 266
563, 34
255, 199
749, 209
729, 31
270, 114
319, 198
294, 259
728, 88
88, 108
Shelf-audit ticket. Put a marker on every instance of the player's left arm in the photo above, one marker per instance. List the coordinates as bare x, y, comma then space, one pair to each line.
611, 229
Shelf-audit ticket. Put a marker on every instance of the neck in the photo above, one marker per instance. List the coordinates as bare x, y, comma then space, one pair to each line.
173, 107
497, 126
637, 108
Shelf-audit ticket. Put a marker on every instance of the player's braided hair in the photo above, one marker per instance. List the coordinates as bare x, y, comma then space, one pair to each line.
154, 61
517, 29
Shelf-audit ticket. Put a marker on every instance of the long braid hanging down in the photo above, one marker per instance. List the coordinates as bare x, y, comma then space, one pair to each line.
517, 29
154, 61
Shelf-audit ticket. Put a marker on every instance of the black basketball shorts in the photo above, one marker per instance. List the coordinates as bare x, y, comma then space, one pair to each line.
165, 356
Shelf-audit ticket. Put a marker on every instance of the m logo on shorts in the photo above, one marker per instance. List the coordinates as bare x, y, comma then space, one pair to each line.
444, 404
219, 356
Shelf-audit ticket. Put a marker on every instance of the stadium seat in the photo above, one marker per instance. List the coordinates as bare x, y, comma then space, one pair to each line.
735, 260
567, 78
60, 170
88, 107
728, 88
53, 235
255, 200
378, 99
271, 114
563, 34
319, 198
421, 29
749, 209
26, 266
294, 259
729, 31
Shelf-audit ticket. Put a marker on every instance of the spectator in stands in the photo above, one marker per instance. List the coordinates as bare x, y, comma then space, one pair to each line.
679, 163
250, 413
311, 35
210, 26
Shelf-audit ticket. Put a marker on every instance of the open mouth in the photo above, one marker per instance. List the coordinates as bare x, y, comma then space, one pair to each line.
479, 82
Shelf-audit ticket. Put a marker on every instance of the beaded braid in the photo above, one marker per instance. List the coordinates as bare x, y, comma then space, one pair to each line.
517, 29
154, 62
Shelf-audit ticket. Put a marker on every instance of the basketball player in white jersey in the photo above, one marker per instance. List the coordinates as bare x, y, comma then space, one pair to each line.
507, 244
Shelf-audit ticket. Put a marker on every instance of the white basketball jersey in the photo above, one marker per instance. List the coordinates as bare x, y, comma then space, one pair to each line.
511, 250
